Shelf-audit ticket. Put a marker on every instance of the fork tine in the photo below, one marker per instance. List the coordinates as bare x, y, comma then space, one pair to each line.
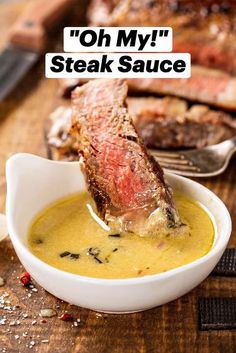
185, 172
179, 167
203, 162
174, 161
174, 155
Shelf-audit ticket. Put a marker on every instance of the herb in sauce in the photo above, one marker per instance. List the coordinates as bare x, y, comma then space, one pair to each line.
65, 253
74, 256
70, 255
114, 235
38, 241
94, 252
108, 256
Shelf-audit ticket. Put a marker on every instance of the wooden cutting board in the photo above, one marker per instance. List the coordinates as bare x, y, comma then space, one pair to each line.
172, 328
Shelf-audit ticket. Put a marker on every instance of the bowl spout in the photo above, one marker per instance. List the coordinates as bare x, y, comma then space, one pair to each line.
34, 182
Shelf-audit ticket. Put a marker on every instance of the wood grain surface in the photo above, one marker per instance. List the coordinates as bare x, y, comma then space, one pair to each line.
172, 328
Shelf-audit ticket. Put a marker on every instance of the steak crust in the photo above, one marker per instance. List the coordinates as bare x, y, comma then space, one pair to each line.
126, 183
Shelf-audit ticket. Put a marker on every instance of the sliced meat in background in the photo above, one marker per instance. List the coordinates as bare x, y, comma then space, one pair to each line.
205, 29
168, 123
163, 123
208, 86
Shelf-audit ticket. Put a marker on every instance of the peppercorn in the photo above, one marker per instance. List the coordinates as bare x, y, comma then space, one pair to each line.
43, 321
66, 317
25, 278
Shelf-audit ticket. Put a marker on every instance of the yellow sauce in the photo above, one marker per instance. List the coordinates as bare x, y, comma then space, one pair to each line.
66, 236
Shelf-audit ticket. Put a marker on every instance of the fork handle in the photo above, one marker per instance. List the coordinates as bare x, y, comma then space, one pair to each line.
30, 30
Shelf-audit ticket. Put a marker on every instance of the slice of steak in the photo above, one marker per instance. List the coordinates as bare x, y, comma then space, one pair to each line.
208, 86
168, 123
126, 183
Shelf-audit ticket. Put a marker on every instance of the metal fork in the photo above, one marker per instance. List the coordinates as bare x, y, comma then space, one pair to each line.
202, 162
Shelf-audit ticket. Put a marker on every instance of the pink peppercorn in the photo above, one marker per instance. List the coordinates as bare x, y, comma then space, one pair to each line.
66, 317
25, 278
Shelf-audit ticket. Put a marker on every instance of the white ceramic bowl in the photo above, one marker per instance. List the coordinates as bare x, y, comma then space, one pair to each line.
34, 182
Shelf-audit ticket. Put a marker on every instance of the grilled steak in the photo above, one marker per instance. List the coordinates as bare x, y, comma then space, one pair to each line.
61, 144
208, 86
206, 29
169, 123
126, 183
161, 122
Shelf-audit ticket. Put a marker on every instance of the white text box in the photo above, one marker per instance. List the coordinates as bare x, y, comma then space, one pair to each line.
118, 39
115, 65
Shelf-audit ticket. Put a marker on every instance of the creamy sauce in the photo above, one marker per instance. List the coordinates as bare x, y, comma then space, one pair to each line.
65, 236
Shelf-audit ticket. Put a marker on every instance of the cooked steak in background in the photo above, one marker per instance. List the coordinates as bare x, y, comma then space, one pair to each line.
168, 123
126, 182
164, 123
60, 143
208, 86
206, 29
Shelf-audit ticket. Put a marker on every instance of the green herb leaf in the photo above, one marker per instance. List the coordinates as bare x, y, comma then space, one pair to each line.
74, 256
94, 252
65, 253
